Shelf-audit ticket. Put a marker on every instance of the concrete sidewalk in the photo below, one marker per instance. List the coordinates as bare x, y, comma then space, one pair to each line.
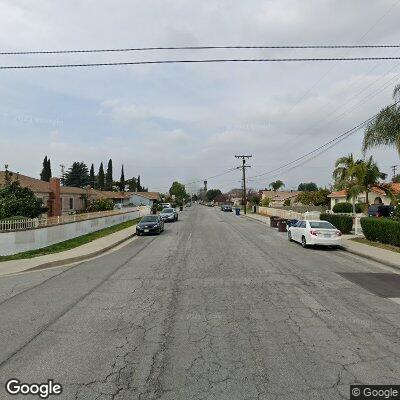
77, 254
383, 256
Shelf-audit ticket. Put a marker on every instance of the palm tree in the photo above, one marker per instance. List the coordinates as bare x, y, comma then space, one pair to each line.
276, 185
368, 175
357, 177
384, 130
344, 175
341, 172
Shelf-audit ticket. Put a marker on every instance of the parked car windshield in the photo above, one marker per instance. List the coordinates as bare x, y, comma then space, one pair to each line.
168, 210
150, 218
321, 225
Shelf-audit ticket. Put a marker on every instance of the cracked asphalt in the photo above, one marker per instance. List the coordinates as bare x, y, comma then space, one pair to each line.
217, 307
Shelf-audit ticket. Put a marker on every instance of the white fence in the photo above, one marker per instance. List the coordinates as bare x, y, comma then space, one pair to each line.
23, 224
289, 214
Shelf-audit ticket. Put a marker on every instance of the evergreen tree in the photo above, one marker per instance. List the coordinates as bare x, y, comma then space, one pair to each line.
92, 179
109, 176
138, 185
122, 180
45, 175
132, 184
77, 175
100, 177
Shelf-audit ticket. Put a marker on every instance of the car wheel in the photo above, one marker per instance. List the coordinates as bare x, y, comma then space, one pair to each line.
138, 233
289, 235
303, 242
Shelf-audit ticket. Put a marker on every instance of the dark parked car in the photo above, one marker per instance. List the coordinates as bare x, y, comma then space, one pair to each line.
380, 210
226, 208
150, 224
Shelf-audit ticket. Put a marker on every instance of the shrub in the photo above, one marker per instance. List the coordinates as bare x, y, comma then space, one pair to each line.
20, 201
286, 202
361, 208
14, 218
343, 222
100, 205
348, 208
342, 208
265, 202
384, 230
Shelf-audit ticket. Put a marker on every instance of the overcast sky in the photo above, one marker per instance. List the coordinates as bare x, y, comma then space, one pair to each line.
186, 122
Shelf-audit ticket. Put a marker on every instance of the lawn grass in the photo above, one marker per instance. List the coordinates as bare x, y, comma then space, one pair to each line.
71, 243
377, 244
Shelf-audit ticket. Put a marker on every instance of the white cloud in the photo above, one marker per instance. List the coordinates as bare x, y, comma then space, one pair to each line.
275, 111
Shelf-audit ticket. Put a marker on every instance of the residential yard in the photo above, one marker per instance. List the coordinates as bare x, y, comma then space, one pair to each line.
377, 244
72, 243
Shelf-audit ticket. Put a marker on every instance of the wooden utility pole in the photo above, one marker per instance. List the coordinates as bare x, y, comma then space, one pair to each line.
394, 168
243, 167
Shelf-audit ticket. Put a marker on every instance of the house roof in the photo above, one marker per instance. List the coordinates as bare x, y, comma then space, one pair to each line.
281, 195
72, 190
340, 193
395, 187
149, 195
36, 185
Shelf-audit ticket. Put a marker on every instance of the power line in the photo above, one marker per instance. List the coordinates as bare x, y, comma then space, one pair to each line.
211, 177
323, 147
232, 47
376, 23
203, 61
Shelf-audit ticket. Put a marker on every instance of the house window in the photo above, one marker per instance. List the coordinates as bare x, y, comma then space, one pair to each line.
71, 203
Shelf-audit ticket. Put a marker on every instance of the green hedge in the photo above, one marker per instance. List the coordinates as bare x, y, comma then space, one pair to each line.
342, 208
348, 208
343, 222
383, 230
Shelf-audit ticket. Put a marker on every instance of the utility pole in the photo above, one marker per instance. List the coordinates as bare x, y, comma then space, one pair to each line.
394, 167
244, 166
62, 166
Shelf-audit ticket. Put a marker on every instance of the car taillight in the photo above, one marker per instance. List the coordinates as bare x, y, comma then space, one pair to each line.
338, 233
314, 233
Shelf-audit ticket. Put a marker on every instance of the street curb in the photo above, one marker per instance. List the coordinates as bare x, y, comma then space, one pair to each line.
376, 259
84, 257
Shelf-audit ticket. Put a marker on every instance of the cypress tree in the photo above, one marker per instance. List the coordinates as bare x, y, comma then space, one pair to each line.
109, 176
101, 177
122, 179
91, 177
138, 186
49, 174
44, 175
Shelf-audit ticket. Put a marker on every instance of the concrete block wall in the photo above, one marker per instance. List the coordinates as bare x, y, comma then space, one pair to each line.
31, 239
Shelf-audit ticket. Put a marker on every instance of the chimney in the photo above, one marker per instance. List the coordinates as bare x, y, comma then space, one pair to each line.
55, 198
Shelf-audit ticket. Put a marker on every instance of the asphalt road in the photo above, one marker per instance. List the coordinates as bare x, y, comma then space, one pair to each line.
217, 307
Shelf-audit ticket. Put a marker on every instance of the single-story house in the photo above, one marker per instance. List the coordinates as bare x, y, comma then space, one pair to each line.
280, 196
67, 199
143, 198
375, 196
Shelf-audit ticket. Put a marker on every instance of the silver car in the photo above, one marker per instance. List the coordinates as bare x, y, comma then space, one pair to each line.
169, 215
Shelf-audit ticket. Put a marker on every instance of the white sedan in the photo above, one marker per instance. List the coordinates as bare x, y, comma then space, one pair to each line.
315, 232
